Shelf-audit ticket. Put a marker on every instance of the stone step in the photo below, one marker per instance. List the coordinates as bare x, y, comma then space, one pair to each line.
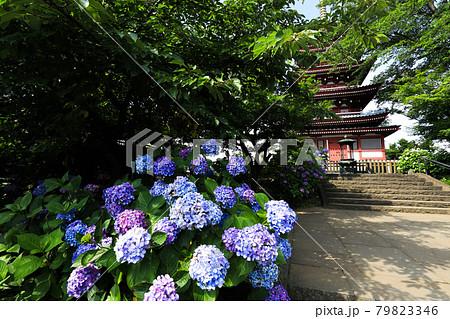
396, 191
402, 196
384, 187
383, 208
386, 202
377, 177
373, 182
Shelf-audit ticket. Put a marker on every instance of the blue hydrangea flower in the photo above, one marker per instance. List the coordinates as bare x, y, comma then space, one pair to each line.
81, 249
209, 267
67, 216
193, 211
77, 227
264, 275
229, 238
256, 243
81, 279
92, 188
284, 246
40, 189
278, 293
211, 147
255, 206
199, 166
144, 164
163, 289
164, 166
280, 216
158, 188
117, 197
169, 227
181, 186
236, 166
225, 196
240, 191
128, 219
131, 246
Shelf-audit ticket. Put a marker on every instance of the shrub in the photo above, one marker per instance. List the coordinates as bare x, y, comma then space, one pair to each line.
410, 160
63, 241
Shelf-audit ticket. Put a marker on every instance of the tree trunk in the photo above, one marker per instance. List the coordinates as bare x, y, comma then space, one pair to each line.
431, 6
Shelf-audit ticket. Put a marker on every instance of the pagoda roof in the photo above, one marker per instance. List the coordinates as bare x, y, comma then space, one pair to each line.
382, 130
339, 91
374, 118
326, 68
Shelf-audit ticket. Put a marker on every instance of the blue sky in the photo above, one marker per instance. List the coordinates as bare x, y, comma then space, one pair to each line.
308, 9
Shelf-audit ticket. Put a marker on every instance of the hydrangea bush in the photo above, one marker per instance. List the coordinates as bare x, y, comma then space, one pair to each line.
181, 236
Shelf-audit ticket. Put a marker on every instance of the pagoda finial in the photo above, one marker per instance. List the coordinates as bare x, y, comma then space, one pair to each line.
323, 11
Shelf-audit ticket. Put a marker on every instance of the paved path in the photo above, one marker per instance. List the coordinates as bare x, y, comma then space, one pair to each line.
392, 256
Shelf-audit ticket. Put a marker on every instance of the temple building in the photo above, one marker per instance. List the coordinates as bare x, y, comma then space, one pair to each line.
341, 84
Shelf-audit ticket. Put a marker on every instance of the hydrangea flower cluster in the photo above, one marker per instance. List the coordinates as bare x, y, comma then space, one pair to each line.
67, 216
284, 246
40, 189
199, 166
193, 211
82, 279
181, 186
163, 289
225, 196
229, 238
164, 166
209, 267
211, 147
131, 246
76, 227
185, 152
117, 197
144, 164
158, 188
236, 166
253, 243
240, 191
128, 219
92, 188
280, 216
81, 249
264, 275
169, 227
278, 293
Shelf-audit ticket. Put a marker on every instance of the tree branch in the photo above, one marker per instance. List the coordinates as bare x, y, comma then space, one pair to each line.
431, 6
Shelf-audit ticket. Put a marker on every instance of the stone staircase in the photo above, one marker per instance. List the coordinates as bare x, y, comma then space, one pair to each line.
386, 192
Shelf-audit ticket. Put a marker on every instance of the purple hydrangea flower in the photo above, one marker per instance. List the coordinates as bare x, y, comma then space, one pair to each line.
256, 243
92, 188
280, 216
211, 147
209, 267
193, 211
163, 289
164, 166
117, 197
132, 245
82, 279
144, 164
169, 227
158, 188
181, 186
229, 238
128, 219
40, 189
264, 275
77, 227
240, 191
278, 293
199, 166
185, 152
225, 196
236, 166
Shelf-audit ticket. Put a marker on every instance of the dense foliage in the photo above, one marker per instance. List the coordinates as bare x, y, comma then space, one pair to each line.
184, 236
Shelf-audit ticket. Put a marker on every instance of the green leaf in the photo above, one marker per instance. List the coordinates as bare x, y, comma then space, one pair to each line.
182, 281
55, 207
114, 293
238, 271
26, 200
169, 259
24, 266
156, 203
3, 269
143, 271
204, 295
43, 284
211, 185
50, 241
29, 241
82, 203
262, 199
6, 217
158, 238
14, 249
280, 258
